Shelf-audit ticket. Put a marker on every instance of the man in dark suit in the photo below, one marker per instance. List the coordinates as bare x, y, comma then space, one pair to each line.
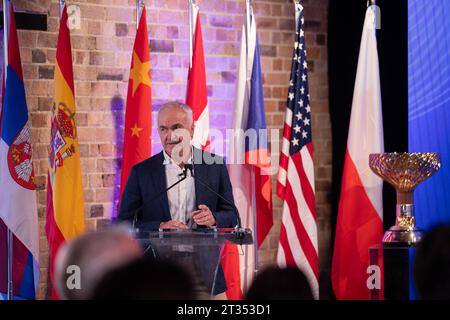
189, 204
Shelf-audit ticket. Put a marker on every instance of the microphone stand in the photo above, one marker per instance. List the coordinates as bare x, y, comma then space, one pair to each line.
240, 232
135, 214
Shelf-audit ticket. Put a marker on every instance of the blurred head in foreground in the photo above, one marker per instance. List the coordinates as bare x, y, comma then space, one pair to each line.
432, 264
276, 283
89, 257
145, 279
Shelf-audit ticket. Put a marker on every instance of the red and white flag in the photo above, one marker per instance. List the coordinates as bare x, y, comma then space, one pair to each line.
196, 95
295, 185
360, 215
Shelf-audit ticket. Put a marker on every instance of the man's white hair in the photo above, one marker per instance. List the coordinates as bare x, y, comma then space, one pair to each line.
180, 105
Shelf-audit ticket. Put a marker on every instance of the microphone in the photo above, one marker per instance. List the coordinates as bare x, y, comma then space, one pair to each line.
240, 232
183, 176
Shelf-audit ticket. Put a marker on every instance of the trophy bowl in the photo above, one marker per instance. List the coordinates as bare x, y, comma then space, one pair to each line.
404, 171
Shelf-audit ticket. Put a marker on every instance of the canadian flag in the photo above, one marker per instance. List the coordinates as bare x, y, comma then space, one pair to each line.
360, 214
196, 96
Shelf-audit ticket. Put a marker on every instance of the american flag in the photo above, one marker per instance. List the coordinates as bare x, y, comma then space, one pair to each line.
295, 186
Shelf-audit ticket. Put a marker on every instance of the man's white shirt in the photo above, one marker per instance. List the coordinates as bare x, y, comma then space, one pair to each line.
182, 196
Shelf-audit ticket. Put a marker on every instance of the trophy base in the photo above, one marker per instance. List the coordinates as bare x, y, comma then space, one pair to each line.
397, 237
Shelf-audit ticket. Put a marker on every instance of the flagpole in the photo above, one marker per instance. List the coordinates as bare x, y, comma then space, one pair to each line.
247, 22
297, 10
139, 6
191, 31
248, 12
9, 235
255, 223
62, 3
10, 261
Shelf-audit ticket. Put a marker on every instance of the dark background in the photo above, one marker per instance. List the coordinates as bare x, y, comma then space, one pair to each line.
345, 25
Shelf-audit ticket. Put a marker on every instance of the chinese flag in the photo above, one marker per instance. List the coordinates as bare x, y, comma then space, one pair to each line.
138, 117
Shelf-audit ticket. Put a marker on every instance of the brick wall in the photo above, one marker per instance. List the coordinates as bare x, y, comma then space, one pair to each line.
101, 51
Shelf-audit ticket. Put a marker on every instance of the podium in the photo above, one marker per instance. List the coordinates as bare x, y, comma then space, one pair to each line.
398, 274
198, 251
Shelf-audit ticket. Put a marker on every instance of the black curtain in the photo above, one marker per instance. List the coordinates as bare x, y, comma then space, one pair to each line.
346, 18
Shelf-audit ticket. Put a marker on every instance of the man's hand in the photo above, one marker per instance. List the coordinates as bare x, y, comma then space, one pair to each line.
173, 224
204, 216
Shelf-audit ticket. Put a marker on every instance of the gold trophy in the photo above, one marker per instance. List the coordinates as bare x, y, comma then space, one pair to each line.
404, 171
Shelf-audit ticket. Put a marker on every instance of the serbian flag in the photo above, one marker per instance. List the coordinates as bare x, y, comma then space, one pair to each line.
249, 160
138, 117
196, 96
18, 208
360, 214
65, 212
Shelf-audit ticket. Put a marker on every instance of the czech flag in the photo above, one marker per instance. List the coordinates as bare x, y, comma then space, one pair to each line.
249, 159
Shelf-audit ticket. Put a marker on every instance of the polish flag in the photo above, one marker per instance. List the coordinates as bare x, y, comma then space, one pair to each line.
360, 214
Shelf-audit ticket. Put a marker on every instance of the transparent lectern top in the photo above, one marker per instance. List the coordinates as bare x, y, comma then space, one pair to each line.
199, 237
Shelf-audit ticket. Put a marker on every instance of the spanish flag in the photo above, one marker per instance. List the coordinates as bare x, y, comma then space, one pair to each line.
65, 213
138, 116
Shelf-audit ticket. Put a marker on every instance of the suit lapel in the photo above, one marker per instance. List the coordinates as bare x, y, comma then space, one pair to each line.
159, 176
200, 171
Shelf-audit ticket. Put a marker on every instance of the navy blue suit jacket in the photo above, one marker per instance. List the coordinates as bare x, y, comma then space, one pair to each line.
148, 178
